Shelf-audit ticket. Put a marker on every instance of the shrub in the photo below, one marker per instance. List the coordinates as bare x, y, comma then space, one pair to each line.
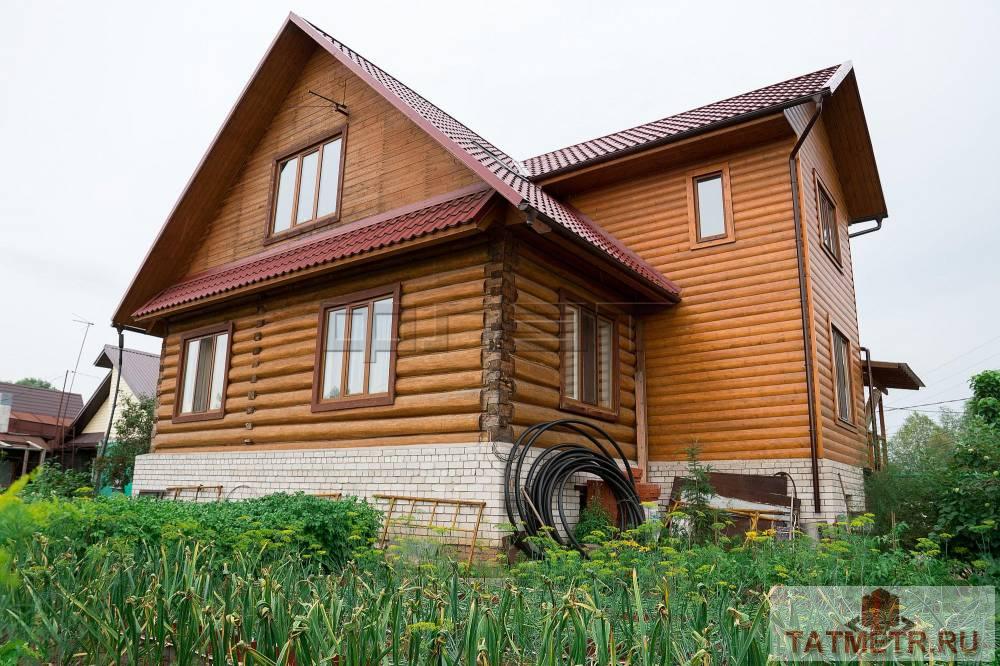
314, 527
53, 480
133, 434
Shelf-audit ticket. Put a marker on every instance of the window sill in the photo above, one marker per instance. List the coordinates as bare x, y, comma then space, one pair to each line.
592, 411
713, 242
380, 400
846, 425
300, 229
833, 257
199, 416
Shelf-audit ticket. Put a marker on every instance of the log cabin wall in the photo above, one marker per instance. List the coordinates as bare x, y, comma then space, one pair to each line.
439, 377
831, 293
536, 358
389, 161
725, 368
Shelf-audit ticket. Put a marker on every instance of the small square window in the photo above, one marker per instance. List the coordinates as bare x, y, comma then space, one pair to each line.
828, 221
710, 206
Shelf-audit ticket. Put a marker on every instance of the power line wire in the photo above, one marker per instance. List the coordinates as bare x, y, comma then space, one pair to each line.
928, 404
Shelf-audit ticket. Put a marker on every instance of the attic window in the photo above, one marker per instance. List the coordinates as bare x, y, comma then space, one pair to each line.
307, 186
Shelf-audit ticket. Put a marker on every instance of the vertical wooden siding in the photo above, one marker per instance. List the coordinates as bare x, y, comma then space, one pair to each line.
725, 367
832, 295
389, 161
438, 371
537, 362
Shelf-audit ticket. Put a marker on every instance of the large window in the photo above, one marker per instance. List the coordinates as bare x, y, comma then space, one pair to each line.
828, 221
307, 186
357, 350
842, 375
204, 365
589, 359
710, 206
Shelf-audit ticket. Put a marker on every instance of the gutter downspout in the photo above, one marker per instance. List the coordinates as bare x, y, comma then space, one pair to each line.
793, 172
114, 403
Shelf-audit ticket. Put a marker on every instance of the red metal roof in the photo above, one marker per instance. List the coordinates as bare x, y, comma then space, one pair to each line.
700, 119
497, 168
349, 240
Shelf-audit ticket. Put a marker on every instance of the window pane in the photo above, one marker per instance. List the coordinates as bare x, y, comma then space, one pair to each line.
307, 188
378, 374
588, 357
285, 196
329, 179
571, 356
605, 338
842, 363
219, 370
190, 375
711, 214
333, 354
203, 374
828, 223
356, 351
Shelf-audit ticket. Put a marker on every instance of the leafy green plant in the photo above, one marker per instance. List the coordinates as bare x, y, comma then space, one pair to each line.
53, 480
594, 525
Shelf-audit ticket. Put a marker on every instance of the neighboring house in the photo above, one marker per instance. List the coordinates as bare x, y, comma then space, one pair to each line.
32, 423
358, 293
139, 373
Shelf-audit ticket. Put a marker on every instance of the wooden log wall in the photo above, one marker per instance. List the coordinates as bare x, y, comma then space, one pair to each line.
536, 358
439, 377
725, 367
389, 162
831, 294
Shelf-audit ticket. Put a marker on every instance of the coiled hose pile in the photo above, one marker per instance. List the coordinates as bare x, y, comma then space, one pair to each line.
533, 488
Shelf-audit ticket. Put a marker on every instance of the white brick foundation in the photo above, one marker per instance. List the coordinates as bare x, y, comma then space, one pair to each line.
831, 474
471, 471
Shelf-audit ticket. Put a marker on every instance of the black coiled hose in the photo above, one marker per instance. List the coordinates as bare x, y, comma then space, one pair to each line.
531, 489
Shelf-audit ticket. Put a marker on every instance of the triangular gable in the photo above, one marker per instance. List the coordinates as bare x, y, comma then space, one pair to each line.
260, 100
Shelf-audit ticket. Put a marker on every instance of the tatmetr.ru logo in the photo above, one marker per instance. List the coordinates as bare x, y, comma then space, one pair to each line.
883, 623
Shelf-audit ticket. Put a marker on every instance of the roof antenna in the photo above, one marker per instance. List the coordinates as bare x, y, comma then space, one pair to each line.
337, 106
63, 400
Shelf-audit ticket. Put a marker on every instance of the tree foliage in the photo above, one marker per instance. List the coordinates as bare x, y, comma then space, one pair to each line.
34, 382
133, 433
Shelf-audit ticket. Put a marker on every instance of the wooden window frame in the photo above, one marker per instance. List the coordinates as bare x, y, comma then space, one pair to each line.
369, 296
210, 415
299, 151
850, 423
691, 178
576, 405
822, 190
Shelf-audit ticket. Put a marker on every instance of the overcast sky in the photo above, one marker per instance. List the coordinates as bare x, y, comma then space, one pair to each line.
106, 108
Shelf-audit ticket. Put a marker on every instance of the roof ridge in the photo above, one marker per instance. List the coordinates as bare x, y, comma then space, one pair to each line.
132, 351
530, 162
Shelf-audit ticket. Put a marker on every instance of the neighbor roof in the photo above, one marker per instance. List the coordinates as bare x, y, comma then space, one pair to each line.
38, 404
140, 370
339, 243
704, 118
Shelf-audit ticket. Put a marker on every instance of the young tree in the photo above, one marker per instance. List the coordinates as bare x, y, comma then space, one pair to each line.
133, 433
